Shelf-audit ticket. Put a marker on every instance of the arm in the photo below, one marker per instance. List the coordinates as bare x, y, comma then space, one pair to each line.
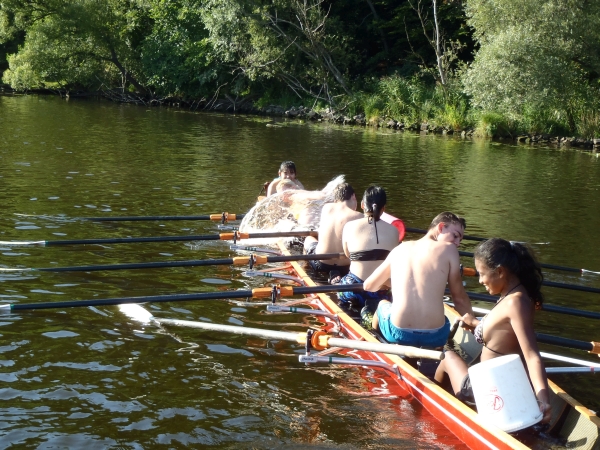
345, 240
461, 300
521, 321
381, 275
272, 187
300, 185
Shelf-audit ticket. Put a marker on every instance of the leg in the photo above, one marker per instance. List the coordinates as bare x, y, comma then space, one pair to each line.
376, 317
455, 367
308, 242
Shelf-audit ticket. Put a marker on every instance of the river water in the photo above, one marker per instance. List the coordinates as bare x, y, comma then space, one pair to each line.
95, 377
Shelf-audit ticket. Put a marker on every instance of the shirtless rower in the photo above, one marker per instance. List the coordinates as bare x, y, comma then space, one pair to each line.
419, 271
333, 218
287, 171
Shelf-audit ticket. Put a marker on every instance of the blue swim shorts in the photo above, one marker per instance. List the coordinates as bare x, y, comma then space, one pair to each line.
415, 338
361, 298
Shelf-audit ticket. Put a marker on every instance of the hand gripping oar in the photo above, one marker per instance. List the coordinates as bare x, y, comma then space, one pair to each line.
235, 236
274, 292
319, 340
546, 266
469, 271
222, 217
251, 261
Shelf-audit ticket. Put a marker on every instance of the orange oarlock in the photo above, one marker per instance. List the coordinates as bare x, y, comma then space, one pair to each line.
236, 235
256, 259
285, 291
469, 272
317, 337
223, 217
595, 348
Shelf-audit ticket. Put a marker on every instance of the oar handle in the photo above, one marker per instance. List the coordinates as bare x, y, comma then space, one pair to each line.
591, 347
238, 261
215, 217
206, 237
255, 293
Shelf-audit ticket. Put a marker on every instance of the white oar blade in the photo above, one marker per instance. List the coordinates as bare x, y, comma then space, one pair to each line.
136, 312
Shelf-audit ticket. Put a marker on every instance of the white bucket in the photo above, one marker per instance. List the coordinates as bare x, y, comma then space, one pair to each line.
503, 394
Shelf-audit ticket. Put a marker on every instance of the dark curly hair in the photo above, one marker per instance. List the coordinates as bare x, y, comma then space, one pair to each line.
518, 258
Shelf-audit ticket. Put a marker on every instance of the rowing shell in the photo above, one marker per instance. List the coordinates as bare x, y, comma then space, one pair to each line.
571, 421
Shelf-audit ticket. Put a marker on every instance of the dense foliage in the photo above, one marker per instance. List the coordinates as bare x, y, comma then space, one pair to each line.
505, 65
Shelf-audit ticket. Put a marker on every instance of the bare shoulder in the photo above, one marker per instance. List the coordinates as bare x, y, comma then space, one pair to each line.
327, 208
447, 249
518, 303
401, 248
351, 225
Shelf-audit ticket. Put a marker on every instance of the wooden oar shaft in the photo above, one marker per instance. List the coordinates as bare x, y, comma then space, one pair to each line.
214, 217
393, 349
300, 338
202, 237
284, 291
325, 341
238, 261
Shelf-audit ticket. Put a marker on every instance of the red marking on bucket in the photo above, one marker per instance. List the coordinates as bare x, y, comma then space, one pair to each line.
495, 403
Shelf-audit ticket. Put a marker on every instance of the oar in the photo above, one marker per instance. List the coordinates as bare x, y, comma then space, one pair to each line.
547, 266
469, 271
203, 237
590, 346
237, 261
580, 362
319, 340
222, 217
466, 236
550, 370
545, 307
283, 291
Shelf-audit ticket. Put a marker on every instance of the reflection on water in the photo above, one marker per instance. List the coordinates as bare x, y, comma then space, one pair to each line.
95, 377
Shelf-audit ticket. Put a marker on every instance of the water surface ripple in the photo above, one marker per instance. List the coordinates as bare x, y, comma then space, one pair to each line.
94, 377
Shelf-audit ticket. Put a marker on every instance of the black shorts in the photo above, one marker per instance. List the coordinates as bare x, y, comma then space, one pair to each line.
319, 266
466, 391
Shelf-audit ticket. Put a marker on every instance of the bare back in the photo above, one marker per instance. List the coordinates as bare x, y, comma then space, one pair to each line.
419, 272
360, 235
333, 218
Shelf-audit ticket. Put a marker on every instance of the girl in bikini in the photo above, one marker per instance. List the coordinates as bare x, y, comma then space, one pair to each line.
507, 269
367, 242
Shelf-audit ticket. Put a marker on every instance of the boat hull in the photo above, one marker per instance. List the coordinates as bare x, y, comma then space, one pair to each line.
571, 420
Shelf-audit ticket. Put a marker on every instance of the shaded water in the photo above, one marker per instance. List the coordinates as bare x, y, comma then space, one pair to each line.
94, 377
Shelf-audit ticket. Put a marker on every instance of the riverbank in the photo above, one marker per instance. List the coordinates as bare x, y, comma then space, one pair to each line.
329, 115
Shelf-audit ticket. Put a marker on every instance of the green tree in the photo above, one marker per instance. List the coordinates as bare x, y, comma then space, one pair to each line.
75, 43
535, 57
177, 57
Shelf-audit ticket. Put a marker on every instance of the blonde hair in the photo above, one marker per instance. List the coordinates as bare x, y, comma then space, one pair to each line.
285, 185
